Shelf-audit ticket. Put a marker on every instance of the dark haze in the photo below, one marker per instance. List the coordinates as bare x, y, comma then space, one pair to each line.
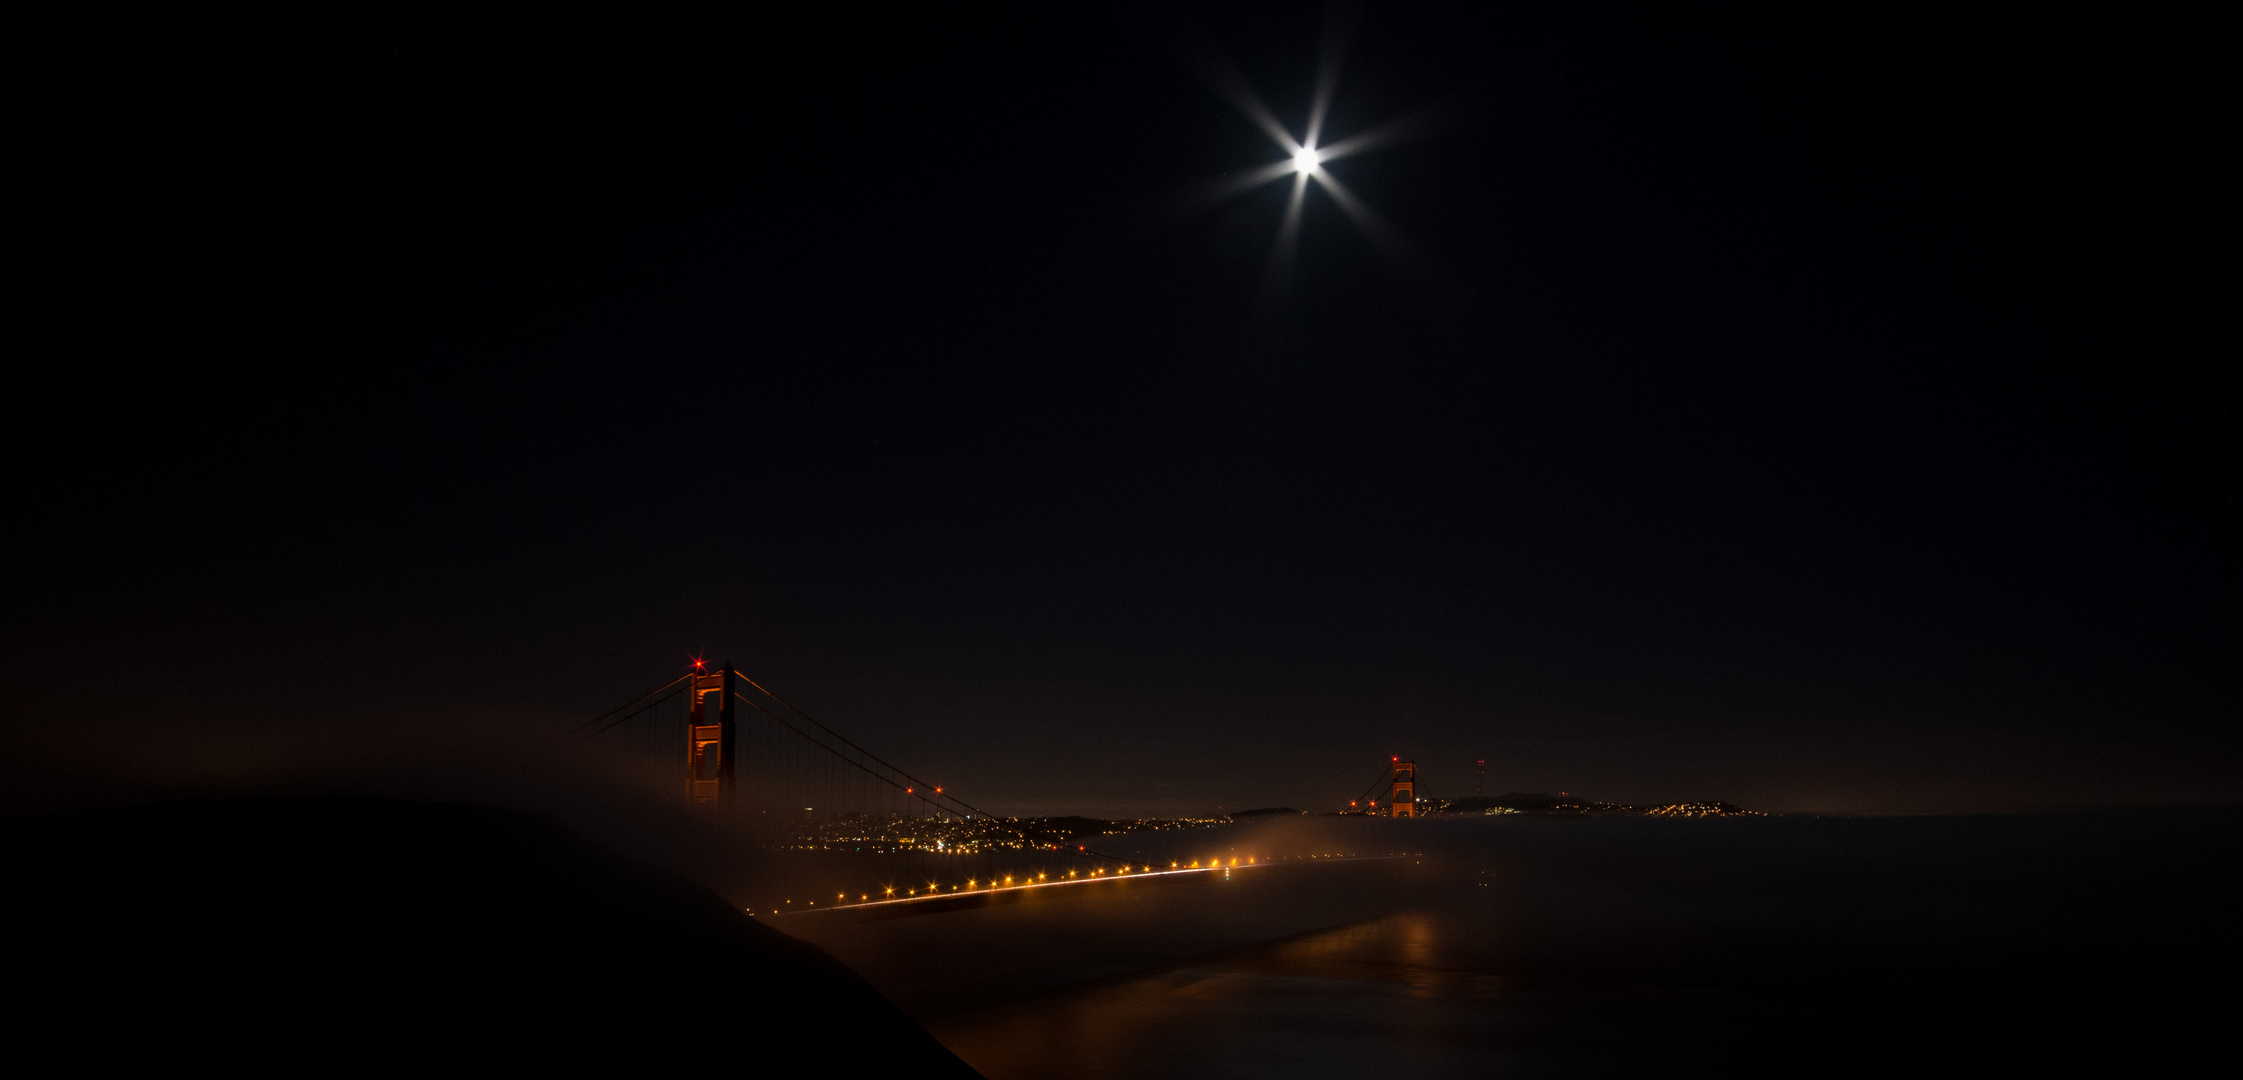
1811, 410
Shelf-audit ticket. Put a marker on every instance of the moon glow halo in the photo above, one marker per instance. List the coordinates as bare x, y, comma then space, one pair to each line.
1304, 163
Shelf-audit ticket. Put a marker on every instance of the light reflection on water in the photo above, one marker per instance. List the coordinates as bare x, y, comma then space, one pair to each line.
1334, 1002
1557, 948
1347, 1002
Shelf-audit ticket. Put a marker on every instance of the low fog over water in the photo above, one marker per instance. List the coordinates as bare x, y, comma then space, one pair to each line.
1536, 946
1462, 946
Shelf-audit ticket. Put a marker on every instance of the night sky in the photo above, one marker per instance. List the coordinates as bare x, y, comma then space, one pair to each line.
1816, 412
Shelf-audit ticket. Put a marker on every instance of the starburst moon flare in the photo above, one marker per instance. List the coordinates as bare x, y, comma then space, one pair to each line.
1304, 160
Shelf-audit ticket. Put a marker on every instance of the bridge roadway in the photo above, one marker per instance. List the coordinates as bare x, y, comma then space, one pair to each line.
974, 892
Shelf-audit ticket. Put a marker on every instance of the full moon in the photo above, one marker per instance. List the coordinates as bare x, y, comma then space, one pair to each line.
1305, 159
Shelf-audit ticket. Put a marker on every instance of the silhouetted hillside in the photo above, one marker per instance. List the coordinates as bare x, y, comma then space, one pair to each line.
337, 933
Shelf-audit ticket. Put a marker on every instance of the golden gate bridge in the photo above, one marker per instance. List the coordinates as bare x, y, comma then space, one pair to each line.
732, 749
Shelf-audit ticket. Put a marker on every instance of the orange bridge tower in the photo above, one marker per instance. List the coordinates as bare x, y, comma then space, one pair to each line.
708, 746
1403, 802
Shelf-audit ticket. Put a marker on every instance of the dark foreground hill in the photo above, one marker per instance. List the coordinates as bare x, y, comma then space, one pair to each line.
347, 933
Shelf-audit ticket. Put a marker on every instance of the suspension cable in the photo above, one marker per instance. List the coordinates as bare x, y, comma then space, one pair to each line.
628, 704
812, 740
634, 712
845, 740
1081, 851
1384, 775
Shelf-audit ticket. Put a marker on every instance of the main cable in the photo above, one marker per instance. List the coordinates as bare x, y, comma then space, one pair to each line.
628, 704
813, 740
1081, 851
635, 712
891, 766
1384, 776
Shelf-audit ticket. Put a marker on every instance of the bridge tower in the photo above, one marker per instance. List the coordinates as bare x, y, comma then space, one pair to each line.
1403, 801
709, 751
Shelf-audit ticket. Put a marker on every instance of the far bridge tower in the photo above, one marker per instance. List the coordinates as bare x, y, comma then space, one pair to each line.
1403, 801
